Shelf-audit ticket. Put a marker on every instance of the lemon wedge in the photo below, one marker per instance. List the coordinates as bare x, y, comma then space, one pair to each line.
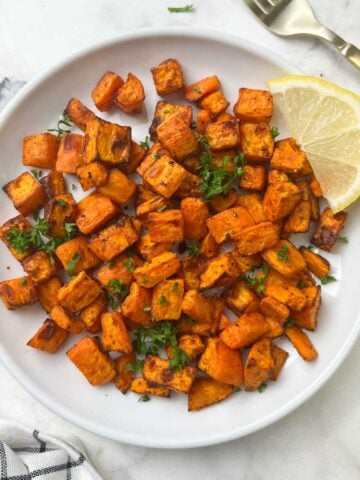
324, 119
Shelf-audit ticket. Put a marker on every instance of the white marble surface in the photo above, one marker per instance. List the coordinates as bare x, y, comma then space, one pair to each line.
321, 439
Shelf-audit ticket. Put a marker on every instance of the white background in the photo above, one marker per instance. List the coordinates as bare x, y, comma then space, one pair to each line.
321, 439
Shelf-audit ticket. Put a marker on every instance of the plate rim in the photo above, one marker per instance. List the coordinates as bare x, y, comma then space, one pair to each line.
132, 438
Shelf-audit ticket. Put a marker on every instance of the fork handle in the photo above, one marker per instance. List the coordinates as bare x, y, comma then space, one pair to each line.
348, 50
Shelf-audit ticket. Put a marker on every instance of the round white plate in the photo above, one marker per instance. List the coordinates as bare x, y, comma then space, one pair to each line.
53, 379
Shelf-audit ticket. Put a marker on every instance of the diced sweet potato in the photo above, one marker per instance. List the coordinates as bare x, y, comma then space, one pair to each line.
137, 305
157, 372
254, 205
166, 226
207, 391
137, 155
254, 177
256, 142
222, 135
222, 363
103, 93
167, 299
245, 263
18, 292
254, 105
118, 187
191, 269
141, 386
274, 309
26, 193
78, 113
215, 103
239, 298
155, 204
314, 207
195, 213
202, 120
47, 293
66, 320
317, 264
91, 175
40, 150
91, 315
280, 200
256, 238
77, 248
223, 202
40, 266
120, 268
315, 188
149, 249
187, 326
78, 293
208, 247
275, 328
299, 219
301, 342
224, 322
130, 96
69, 155
285, 258
59, 211
192, 345
168, 77
166, 110
308, 316
245, 330
157, 269
277, 176
279, 356
113, 240
203, 87
96, 366
124, 376
197, 307
229, 223
328, 230
293, 297
218, 271
53, 184
259, 366
115, 336
189, 186
177, 137
8, 229
49, 337
288, 156
94, 211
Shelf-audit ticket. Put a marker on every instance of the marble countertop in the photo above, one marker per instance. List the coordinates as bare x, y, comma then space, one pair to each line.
321, 439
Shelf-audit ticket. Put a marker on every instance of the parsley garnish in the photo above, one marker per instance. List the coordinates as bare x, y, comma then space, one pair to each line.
110, 264
327, 279
193, 248
60, 130
118, 287
193, 125
157, 155
21, 240
300, 284
144, 398
257, 281
147, 309
290, 322
262, 387
343, 239
129, 264
135, 366
175, 287
162, 300
70, 264
186, 9
187, 319
23, 282
37, 173
36, 215
197, 89
62, 202
282, 254
144, 280
145, 144
179, 359
113, 303
70, 228
274, 132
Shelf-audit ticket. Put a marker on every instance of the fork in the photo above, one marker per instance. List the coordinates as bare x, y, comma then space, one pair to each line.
295, 17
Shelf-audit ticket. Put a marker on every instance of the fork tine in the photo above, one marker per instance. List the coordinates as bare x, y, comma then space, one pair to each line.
255, 9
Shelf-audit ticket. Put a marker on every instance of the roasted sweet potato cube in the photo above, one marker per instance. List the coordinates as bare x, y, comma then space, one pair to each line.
166, 110
229, 223
302, 343
96, 365
197, 307
59, 211
202, 120
130, 96
254, 205
195, 213
118, 187
113, 240
288, 156
168, 77
192, 345
314, 207
137, 305
308, 316
40, 266
246, 262
94, 211
256, 142
224, 322
254, 178
328, 229
277, 176
17, 292
207, 391
167, 299
299, 219
91, 175
120, 268
8, 229
69, 155
157, 269
292, 297
256, 238
177, 137
215, 103
142, 387
79, 114
254, 105
285, 258
188, 326
155, 204
149, 249
115, 336
317, 264
53, 184
161, 172
259, 366
275, 328
280, 200
67, 320
124, 375
189, 186
47, 293
239, 298
315, 187
49, 337
77, 248
274, 309
166, 226
208, 247
103, 93
78, 293
40, 150
219, 271
191, 269
275, 278
203, 87
279, 356
91, 315
158, 372
245, 330
222, 363
26, 193
223, 202
222, 135
137, 155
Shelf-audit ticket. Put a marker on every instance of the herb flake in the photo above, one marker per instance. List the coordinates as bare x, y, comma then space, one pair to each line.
186, 9
70, 264
283, 254
327, 279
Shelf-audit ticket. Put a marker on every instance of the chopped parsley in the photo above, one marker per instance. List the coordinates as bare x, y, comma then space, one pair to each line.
175, 287
135, 366
62, 202
290, 322
327, 279
63, 126
262, 387
144, 398
113, 302
118, 287
186, 9
157, 155
187, 319
23, 282
162, 300
145, 144
274, 132
193, 125
110, 264
193, 248
343, 239
197, 89
300, 284
147, 309
36, 215
70, 264
283, 254
37, 173
179, 359
257, 282
129, 264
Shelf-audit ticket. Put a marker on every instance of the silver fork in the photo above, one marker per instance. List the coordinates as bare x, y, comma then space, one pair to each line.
295, 17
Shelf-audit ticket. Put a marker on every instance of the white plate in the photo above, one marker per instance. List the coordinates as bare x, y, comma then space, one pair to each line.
53, 379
